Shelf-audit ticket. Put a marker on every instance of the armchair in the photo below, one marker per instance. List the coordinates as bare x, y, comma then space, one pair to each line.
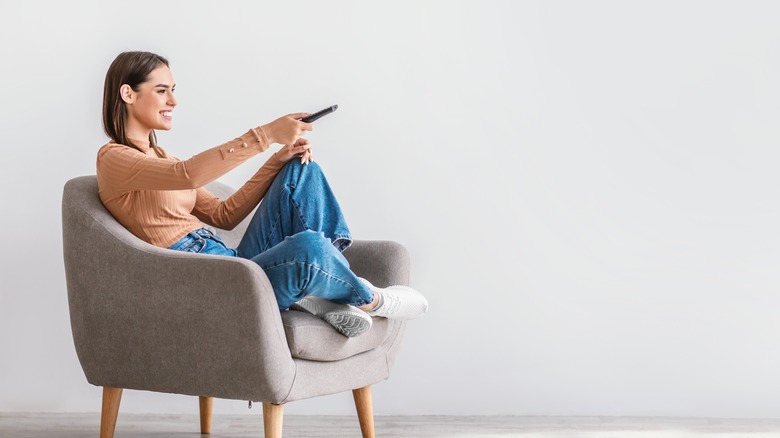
148, 318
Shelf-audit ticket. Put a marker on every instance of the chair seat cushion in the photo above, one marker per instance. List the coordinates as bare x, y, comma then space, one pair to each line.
311, 338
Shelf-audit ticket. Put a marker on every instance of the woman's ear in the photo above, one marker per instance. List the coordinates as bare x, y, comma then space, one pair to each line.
126, 93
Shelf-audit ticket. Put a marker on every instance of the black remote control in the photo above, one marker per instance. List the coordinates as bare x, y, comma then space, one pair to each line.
312, 117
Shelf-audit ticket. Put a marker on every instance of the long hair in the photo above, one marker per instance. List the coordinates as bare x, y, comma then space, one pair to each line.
133, 69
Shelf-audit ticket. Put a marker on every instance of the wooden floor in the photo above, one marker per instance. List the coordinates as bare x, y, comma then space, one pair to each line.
32, 425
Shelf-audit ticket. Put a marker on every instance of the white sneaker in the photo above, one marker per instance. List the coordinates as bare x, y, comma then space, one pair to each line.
398, 302
348, 320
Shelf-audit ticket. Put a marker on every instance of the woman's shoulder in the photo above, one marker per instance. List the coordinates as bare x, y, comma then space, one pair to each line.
115, 150
113, 146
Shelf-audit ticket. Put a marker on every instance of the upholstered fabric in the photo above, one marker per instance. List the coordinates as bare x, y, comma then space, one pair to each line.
307, 335
149, 318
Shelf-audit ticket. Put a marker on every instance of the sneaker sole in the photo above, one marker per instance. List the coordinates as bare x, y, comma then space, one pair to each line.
345, 322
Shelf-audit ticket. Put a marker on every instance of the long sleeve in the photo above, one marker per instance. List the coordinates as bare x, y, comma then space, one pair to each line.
230, 212
125, 168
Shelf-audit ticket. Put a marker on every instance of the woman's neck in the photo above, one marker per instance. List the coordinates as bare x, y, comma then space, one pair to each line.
140, 142
137, 133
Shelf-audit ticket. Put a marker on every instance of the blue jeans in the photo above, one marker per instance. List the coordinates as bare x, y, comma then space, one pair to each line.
203, 241
296, 235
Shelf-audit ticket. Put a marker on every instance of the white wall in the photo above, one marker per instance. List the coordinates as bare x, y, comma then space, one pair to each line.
588, 189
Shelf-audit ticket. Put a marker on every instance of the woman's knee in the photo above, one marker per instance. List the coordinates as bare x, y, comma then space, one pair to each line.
294, 173
295, 165
312, 167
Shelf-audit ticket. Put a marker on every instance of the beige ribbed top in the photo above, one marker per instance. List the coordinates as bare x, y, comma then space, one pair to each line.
160, 200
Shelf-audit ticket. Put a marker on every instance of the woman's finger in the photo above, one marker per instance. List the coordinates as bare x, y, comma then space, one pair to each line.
306, 157
297, 116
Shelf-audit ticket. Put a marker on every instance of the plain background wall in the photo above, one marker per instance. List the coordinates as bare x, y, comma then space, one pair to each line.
589, 190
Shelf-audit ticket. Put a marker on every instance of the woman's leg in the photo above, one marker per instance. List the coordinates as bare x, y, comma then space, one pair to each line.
307, 263
297, 235
299, 199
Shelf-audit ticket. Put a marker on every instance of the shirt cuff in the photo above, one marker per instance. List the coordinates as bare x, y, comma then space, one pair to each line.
260, 137
251, 143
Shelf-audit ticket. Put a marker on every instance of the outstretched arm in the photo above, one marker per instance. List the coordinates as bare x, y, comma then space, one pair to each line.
130, 169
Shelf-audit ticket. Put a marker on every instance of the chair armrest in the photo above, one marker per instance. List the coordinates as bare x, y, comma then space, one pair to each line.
382, 262
168, 321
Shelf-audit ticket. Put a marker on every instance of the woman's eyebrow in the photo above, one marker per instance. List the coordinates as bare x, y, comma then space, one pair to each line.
165, 85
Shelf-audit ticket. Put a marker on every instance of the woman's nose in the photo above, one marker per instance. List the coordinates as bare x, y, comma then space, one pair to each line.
171, 99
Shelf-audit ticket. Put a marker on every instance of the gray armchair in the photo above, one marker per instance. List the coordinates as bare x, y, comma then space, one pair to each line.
153, 319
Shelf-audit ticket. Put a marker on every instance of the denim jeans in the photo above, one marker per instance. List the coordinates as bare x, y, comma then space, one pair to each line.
296, 235
203, 241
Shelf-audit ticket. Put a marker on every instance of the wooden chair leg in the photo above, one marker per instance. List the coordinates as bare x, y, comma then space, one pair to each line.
273, 417
206, 408
365, 410
111, 399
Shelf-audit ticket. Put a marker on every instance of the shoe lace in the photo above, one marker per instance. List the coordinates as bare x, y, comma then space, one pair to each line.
391, 303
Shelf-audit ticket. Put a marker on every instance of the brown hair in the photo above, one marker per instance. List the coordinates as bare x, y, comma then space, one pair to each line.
131, 68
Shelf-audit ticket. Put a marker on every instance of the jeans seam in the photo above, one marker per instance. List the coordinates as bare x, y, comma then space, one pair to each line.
298, 211
266, 244
354, 291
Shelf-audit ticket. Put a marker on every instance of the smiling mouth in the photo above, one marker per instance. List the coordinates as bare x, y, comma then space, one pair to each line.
166, 114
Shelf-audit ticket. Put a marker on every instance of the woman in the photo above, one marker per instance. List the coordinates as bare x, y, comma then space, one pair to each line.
297, 233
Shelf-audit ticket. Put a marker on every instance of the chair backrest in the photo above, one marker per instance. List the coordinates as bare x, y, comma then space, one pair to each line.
82, 193
94, 240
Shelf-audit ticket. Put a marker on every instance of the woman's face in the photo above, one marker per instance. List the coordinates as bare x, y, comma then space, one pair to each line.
151, 107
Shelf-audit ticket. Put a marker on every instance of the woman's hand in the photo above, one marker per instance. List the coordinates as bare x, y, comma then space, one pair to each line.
286, 129
300, 149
